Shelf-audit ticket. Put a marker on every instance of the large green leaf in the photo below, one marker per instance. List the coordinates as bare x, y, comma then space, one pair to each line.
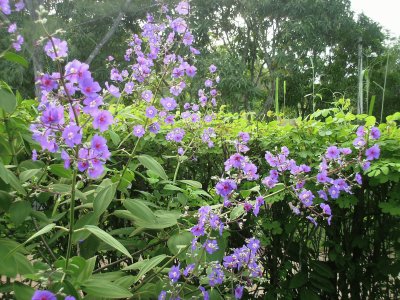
104, 289
107, 238
179, 241
103, 199
13, 57
153, 165
19, 211
42, 231
140, 210
8, 101
145, 266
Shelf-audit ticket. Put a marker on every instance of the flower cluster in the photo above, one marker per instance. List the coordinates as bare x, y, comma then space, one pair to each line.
163, 54
67, 101
241, 265
7, 8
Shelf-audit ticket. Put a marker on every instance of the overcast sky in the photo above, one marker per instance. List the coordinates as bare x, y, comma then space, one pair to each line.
385, 12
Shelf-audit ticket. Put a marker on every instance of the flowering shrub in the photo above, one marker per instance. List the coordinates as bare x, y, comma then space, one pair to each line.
93, 183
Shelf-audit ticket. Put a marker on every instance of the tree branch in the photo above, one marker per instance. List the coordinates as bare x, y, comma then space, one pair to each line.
109, 34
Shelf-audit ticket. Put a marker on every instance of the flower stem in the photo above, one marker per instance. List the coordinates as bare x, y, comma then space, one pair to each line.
71, 218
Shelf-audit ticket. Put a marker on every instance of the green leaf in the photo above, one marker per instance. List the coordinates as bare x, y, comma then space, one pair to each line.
192, 183
145, 266
104, 289
8, 101
42, 231
171, 187
107, 238
22, 291
237, 212
13, 57
153, 165
298, 280
60, 171
103, 199
139, 210
28, 174
179, 241
61, 188
19, 211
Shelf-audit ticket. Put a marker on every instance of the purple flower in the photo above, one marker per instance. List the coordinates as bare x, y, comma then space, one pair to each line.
12, 28
53, 115
147, 95
151, 112
99, 145
208, 83
211, 246
67, 160
253, 244
187, 39
250, 170
345, 151
91, 105
43, 295
18, 42
102, 120
182, 8
89, 87
191, 71
361, 131
358, 178
154, 127
238, 292
188, 270
72, 135
332, 152
178, 25
129, 87
174, 274
205, 294
359, 142
113, 90
34, 155
69, 298
312, 220
322, 195
197, 230
175, 135
168, 103
19, 5
306, 197
138, 131
322, 177
170, 119
5, 7
212, 68
375, 133
257, 205
247, 206
366, 165
162, 296
244, 137
216, 275
326, 209
334, 192
225, 187
95, 169
373, 152
56, 48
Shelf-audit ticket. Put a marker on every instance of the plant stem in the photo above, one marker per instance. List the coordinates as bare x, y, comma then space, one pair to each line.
176, 170
71, 218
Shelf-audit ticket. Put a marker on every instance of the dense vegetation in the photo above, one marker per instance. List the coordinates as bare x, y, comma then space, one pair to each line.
203, 151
